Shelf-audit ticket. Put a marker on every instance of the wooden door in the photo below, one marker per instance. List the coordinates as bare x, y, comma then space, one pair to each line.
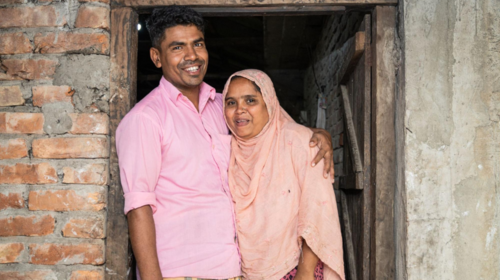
355, 198
368, 187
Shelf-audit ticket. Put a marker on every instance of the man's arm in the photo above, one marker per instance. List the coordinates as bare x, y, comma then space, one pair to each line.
323, 140
143, 238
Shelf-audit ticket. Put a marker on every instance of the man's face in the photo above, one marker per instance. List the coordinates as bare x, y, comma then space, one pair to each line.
183, 57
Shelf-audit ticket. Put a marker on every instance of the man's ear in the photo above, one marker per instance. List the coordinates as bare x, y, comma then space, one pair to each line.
154, 53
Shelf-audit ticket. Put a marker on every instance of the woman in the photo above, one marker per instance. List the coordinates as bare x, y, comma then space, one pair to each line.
286, 214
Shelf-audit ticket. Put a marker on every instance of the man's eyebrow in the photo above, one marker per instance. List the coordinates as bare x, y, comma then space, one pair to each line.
176, 43
201, 39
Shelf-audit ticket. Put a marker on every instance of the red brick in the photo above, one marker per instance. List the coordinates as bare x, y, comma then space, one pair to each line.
38, 16
23, 123
66, 254
66, 200
27, 69
22, 173
14, 43
11, 201
97, 123
10, 252
11, 96
68, 42
92, 17
96, 174
84, 228
27, 226
71, 148
28, 275
86, 275
48, 94
7, 2
13, 148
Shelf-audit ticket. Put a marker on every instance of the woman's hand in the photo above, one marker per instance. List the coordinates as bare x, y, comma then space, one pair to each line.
323, 140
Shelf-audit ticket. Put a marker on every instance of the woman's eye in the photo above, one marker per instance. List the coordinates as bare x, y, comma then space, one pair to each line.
250, 100
230, 103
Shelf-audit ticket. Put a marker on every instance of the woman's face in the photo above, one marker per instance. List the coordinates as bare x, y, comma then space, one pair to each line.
245, 109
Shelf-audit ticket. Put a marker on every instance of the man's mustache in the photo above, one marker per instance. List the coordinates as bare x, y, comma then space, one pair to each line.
187, 64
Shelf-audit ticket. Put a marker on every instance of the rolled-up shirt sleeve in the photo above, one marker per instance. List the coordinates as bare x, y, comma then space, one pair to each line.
138, 145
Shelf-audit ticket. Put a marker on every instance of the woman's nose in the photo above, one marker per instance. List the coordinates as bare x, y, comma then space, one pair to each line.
241, 108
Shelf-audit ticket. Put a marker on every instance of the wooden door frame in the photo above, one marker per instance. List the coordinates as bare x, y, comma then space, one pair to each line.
123, 83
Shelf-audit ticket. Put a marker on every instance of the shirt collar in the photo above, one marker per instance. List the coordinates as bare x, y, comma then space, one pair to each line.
174, 94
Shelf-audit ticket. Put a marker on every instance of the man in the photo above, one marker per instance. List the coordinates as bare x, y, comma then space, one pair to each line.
173, 150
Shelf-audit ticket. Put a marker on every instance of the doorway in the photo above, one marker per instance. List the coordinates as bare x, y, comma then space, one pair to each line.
295, 49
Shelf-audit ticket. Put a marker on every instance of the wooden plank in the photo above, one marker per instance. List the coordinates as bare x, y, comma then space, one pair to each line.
383, 141
354, 49
269, 11
246, 3
122, 88
351, 258
353, 140
365, 120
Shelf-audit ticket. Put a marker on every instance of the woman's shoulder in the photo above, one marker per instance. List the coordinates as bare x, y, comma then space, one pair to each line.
297, 133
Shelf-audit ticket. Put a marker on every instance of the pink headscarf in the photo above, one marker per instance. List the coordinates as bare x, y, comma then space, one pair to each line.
279, 197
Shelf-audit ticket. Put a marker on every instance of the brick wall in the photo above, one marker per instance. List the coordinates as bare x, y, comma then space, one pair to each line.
54, 144
323, 78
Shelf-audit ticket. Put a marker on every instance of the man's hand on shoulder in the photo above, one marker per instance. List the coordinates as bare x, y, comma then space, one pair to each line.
323, 140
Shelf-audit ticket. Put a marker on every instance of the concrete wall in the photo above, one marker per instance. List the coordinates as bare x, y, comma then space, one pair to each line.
54, 144
452, 149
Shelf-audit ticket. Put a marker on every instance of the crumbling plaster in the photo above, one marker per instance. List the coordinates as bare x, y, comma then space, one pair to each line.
452, 146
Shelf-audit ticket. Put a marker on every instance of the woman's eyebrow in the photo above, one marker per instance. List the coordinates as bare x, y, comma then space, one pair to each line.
243, 96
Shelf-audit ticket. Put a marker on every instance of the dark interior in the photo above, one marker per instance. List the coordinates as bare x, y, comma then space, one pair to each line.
280, 45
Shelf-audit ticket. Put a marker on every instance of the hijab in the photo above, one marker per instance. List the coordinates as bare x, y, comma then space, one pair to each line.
279, 198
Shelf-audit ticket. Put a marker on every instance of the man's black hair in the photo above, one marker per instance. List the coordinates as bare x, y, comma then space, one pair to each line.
163, 18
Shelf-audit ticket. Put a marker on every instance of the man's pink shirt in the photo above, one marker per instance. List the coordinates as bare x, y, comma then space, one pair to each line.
175, 159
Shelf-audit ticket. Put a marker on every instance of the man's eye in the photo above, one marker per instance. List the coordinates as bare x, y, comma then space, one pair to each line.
176, 48
198, 45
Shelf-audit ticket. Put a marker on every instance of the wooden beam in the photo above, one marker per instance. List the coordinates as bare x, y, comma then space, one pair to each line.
251, 3
123, 84
351, 258
383, 141
269, 11
351, 131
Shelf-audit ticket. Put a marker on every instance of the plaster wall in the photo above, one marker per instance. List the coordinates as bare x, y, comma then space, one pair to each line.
452, 146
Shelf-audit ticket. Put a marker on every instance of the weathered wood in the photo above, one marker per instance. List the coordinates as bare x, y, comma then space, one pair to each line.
245, 3
359, 202
383, 142
269, 11
354, 49
351, 259
123, 75
353, 139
